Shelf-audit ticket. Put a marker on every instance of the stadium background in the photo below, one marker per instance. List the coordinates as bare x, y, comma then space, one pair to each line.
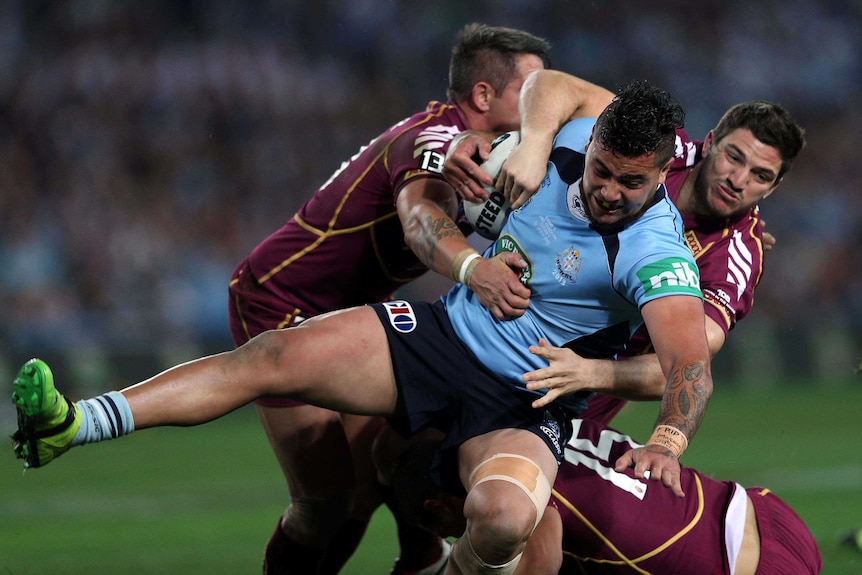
145, 148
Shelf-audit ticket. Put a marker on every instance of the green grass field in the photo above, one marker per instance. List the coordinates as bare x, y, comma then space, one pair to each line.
204, 500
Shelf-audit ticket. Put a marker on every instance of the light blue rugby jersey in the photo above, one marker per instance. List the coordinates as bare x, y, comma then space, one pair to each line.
587, 288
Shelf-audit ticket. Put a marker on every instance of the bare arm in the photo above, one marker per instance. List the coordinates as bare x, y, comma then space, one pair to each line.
676, 326
637, 378
426, 207
548, 100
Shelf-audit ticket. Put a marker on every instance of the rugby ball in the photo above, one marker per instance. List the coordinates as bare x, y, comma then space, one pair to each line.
488, 217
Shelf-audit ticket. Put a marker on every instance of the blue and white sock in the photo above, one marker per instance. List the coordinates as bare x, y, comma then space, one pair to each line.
104, 417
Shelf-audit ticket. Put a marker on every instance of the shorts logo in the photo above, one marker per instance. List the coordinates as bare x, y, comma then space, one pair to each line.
401, 315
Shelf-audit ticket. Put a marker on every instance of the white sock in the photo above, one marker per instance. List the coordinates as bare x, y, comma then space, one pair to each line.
104, 417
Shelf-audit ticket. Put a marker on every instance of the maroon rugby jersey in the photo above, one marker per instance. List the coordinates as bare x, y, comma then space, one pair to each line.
729, 255
615, 524
345, 246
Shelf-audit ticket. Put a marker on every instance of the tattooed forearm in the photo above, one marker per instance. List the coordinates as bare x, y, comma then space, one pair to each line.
432, 231
686, 397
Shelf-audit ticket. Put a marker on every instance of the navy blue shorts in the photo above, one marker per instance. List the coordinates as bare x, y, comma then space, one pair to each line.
441, 384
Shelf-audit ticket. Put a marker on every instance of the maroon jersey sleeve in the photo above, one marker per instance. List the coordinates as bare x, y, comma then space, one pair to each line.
614, 523
730, 259
345, 246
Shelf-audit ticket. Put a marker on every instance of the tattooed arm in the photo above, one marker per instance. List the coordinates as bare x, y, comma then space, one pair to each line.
676, 327
637, 378
426, 208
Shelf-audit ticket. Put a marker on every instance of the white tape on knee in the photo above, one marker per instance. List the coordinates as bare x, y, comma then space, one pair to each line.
517, 470
467, 561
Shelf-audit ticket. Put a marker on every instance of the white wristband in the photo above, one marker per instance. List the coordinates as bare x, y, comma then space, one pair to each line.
463, 270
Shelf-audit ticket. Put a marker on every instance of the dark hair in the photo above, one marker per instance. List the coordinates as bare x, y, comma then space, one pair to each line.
770, 124
488, 53
640, 120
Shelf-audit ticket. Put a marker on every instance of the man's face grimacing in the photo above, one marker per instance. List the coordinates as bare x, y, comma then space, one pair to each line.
738, 171
616, 188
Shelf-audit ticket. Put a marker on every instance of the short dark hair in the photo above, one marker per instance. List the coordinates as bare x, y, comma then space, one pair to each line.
770, 124
489, 53
640, 120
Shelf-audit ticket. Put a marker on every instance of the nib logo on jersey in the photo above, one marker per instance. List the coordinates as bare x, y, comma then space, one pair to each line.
401, 315
672, 275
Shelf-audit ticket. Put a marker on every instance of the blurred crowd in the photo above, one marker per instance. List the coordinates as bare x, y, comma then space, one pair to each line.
146, 147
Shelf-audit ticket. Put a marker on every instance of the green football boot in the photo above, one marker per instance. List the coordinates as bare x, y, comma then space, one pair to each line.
852, 538
47, 421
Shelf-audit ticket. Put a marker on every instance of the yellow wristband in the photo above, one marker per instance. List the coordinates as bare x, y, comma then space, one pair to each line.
670, 438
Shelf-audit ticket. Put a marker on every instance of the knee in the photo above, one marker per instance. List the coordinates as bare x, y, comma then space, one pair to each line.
314, 521
500, 519
505, 502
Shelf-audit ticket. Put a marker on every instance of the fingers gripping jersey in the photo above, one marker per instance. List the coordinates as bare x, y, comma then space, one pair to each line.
588, 288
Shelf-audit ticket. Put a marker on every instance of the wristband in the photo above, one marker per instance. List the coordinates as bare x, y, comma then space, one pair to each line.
461, 263
670, 438
470, 265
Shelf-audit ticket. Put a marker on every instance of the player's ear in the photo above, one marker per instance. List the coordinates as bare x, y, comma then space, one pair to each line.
707, 142
481, 96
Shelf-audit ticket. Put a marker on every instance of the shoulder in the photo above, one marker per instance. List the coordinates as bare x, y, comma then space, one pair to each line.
419, 143
574, 134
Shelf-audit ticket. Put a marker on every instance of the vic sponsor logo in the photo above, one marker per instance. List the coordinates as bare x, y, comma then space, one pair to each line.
670, 275
401, 315
507, 243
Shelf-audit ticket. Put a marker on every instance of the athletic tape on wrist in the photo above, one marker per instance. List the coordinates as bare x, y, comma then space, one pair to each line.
463, 277
458, 261
669, 437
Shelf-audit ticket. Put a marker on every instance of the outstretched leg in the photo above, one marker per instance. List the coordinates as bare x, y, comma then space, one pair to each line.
324, 362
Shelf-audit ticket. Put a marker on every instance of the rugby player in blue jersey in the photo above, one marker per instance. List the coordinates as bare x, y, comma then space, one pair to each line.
604, 252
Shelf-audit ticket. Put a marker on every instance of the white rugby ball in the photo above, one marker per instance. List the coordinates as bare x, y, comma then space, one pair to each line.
488, 217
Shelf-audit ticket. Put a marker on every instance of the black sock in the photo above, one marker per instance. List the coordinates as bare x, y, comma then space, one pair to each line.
284, 556
342, 546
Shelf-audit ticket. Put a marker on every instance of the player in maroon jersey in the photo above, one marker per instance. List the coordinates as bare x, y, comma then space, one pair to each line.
382, 220
716, 185
612, 523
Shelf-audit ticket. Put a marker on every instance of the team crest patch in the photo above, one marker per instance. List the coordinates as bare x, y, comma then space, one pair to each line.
401, 315
568, 266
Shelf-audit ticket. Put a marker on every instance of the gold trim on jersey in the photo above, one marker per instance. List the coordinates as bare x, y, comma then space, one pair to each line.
632, 563
330, 231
